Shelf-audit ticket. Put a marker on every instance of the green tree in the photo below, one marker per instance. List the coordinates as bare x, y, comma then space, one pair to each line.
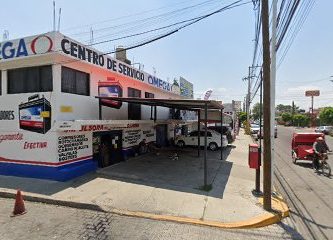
326, 115
256, 111
286, 117
301, 120
242, 116
175, 82
281, 108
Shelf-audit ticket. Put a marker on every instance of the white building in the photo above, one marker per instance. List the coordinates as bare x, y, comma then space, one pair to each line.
49, 116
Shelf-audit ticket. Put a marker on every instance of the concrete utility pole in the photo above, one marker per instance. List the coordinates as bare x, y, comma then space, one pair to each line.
248, 96
273, 79
292, 112
267, 106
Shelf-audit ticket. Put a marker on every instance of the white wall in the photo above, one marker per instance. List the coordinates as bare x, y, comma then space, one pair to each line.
86, 107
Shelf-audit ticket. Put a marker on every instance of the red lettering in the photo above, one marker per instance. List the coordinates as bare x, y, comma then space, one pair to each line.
34, 145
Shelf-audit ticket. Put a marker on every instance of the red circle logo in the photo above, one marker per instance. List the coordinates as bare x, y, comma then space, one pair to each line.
39, 39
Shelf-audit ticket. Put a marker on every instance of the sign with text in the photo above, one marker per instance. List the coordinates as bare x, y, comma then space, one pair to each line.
312, 93
186, 88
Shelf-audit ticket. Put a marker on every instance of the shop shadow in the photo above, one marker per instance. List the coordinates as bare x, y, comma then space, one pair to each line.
158, 169
184, 174
305, 164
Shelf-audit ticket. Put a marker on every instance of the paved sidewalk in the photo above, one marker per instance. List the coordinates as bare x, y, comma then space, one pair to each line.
158, 185
41, 222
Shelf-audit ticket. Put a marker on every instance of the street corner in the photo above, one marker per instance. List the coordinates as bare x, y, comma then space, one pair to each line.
279, 210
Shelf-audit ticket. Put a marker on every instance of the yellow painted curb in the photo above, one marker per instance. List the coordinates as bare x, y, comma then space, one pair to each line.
256, 222
279, 205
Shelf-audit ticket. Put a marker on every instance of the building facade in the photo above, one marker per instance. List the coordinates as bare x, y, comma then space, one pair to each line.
50, 125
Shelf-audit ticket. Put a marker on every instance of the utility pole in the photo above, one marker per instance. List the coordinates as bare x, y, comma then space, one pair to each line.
273, 79
248, 96
267, 106
292, 112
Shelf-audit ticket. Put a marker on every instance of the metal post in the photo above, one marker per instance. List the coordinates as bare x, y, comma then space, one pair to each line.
199, 118
312, 122
248, 96
221, 134
155, 113
99, 109
205, 150
267, 107
257, 189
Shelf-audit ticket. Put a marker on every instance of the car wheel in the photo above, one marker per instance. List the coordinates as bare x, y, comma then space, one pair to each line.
294, 157
181, 144
212, 146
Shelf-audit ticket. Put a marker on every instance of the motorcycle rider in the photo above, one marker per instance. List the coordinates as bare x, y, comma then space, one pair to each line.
319, 147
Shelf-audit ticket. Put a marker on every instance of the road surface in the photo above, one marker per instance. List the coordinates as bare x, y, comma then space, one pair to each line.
309, 195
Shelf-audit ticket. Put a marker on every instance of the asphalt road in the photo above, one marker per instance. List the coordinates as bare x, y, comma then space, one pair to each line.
309, 195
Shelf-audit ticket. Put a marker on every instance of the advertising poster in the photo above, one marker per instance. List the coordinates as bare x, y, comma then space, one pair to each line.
110, 89
186, 88
35, 114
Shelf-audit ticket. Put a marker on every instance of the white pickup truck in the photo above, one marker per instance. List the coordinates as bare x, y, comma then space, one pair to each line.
213, 140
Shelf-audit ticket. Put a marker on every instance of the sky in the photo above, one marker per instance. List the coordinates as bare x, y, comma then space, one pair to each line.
212, 54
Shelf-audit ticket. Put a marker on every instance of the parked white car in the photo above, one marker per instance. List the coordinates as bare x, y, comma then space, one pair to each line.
324, 129
262, 133
254, 128
213, 140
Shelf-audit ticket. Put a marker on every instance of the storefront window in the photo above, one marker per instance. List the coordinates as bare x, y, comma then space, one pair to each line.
75, 82
149, 95
28, 80
134, 110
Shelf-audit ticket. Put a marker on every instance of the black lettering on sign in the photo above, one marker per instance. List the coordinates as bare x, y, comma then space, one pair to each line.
69, 146
7, 115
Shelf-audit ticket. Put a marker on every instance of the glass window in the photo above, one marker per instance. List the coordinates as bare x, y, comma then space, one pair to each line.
149, 95
194, 134
75, 82
134, 110
32, 79
0, 82
202, 134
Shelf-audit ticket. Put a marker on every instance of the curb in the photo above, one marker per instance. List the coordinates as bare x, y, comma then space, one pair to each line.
42, 199
280, 211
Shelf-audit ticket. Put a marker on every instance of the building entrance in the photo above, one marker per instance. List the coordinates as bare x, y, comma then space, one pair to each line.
107, 147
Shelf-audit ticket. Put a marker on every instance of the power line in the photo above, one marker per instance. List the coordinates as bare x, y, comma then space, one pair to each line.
159, 37
288, 27
137, 23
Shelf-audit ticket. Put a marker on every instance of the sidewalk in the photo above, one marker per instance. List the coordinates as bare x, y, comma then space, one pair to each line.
157, 187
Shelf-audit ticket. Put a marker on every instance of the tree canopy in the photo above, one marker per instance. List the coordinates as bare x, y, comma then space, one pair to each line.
286, 117
301, 120
326, 116
242, 116
256, 111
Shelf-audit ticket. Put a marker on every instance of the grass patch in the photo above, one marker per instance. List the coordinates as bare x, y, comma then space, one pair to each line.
205, 188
